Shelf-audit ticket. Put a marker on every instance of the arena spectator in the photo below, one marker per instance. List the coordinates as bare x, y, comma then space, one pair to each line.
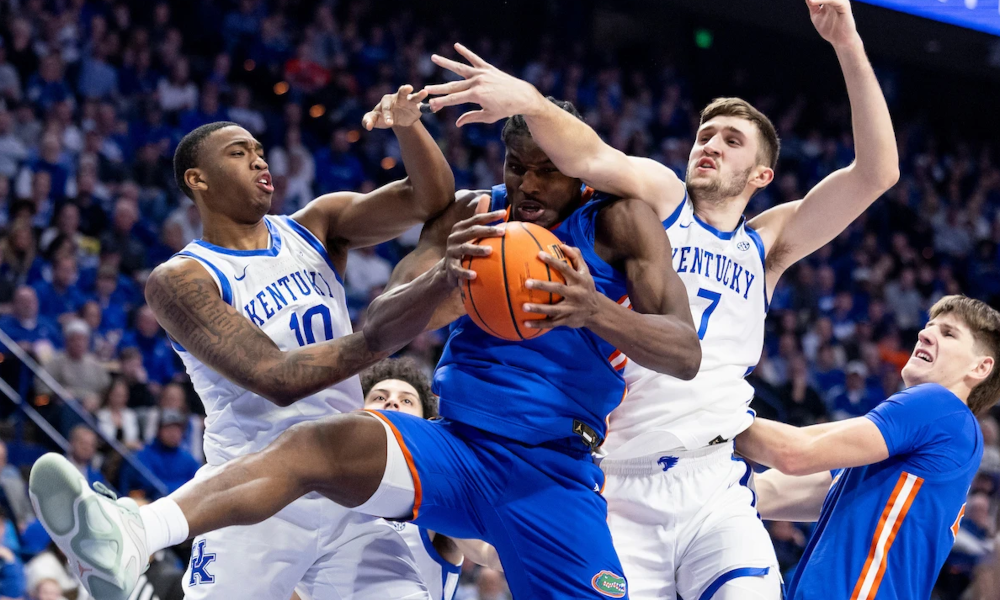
34, 332
14, 493
76, 369
83, 453
116, 420
164, 457
157, 355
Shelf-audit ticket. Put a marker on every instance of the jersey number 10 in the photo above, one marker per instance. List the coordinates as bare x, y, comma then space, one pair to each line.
306, 325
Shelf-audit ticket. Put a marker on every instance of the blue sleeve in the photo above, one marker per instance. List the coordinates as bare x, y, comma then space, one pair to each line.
913, 418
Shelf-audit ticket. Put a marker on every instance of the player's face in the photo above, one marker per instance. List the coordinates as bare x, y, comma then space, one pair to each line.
537, 191
235, 175
946, 354
393, 394
723, 159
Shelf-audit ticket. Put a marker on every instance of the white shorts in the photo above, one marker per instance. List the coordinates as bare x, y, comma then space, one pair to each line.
330, 552
685, 524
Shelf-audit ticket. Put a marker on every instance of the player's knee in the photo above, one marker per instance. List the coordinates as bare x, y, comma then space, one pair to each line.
338, 454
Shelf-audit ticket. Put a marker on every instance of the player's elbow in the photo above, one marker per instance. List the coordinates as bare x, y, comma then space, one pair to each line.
690, 358
795, 461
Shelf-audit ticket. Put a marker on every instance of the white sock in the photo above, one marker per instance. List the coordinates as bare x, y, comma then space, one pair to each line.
165, 524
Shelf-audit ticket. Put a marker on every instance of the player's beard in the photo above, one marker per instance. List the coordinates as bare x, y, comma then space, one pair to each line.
718, 189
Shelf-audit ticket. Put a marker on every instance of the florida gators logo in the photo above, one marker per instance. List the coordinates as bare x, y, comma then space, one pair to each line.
609, 584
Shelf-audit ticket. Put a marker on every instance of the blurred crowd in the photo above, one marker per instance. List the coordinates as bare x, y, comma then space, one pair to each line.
95, 95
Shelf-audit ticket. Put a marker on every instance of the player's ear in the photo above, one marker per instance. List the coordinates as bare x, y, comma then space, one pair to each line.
762, 176
983, 369
195, 179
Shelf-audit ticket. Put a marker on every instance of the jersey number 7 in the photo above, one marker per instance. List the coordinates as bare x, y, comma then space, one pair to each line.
714, 298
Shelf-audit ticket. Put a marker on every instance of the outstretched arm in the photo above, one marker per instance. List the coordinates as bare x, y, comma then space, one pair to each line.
574, 148
783, 497
349, 220
814, 449
659, 333
794, 230
433, 246
187, 304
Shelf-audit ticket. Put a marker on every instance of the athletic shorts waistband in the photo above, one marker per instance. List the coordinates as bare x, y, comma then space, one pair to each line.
676, 460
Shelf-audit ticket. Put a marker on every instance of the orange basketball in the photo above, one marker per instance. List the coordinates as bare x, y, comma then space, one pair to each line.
495, 297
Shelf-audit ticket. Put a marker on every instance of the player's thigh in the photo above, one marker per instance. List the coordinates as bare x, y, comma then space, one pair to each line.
642, 534
364, 559
726, 542
449, 479
342, 456
256, 562
553, 540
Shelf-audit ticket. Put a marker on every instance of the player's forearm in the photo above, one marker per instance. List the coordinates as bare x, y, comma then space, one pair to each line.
402, 313
576, 149
663, 343
783, 497
286, 377
480, 552
777, 445
876, 156
431, 180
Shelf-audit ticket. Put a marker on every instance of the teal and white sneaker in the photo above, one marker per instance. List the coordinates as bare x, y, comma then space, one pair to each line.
103, 537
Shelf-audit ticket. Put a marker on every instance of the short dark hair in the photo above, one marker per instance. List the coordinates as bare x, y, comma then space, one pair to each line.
770, 145
516, 125
404, 369
186, 155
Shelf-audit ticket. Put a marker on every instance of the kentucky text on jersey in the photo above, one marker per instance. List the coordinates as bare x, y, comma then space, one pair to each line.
723, 275
726, 270
269, 301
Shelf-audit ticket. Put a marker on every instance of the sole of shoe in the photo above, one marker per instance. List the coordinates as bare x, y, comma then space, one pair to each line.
80, 524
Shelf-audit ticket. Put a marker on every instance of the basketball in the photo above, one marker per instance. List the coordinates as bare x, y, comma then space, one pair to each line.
494, 298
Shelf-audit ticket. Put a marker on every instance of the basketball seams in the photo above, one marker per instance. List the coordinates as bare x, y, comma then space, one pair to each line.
548, 270
506, 284
472, 300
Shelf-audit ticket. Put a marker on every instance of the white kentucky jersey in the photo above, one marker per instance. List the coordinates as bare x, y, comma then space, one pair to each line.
724, 276
293, 293
440, 576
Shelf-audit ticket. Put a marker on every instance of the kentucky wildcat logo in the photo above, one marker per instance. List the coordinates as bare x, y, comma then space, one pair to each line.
609, 584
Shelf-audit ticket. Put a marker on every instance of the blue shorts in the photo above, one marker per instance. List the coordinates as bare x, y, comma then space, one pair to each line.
539, 506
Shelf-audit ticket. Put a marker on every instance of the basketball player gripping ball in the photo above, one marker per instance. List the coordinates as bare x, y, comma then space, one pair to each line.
510, 463
680, 508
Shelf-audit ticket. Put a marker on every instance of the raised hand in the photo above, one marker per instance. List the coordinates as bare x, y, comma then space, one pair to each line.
498, 94
834, 21
400, 109
580, 300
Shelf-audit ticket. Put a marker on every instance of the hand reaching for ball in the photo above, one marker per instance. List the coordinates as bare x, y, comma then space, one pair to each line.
580, 300
464, 233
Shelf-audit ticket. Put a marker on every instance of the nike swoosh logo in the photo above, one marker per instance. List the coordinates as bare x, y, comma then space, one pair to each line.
682, 226
244, 276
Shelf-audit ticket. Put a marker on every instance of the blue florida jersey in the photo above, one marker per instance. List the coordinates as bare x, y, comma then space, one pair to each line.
532, 391
886, 529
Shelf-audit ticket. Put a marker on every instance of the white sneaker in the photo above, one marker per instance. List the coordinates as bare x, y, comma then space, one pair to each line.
102, 537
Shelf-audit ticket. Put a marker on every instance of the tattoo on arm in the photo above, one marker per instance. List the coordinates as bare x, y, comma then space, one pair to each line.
187, 303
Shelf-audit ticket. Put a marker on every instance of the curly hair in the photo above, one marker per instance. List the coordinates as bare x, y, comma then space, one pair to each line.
404, 369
